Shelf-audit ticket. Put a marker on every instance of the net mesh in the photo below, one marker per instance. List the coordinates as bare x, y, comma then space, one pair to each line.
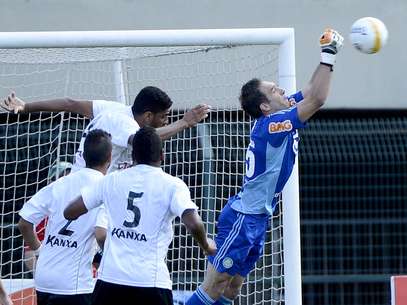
209, 157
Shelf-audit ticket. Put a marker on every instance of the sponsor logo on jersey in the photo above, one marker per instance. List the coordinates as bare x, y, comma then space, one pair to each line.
52, 240
227, 262
119, 233
275, 127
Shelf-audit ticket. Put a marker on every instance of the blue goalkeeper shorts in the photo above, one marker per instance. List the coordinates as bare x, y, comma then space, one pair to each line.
239, 240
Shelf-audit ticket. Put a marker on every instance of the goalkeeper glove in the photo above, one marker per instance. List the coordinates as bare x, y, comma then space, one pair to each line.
331, 42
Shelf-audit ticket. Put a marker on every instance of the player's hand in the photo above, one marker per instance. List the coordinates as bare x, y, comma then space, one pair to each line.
331, 41
211, 248
12, 103
196, 114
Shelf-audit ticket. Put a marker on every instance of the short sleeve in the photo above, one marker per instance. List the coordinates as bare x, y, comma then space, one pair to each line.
120, 126
93, 195
99, 106
298, 97
101, 218
281, 123
38, 207
181, 199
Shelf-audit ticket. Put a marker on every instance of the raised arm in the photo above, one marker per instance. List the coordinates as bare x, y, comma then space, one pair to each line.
316, 93
16, 105
194, 224
190, 119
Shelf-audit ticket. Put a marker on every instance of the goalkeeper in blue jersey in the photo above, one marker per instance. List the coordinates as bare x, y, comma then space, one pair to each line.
270, 158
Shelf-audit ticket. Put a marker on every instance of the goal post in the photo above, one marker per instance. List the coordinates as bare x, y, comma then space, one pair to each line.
203, 65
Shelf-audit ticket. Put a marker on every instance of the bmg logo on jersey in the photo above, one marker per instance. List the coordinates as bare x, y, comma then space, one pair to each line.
275, 127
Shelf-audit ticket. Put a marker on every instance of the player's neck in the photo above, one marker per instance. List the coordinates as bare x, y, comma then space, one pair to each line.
153, 164
103, 169
140, 120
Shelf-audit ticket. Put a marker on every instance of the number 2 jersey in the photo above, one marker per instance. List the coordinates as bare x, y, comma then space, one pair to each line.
141, 202
64, 265
270, 159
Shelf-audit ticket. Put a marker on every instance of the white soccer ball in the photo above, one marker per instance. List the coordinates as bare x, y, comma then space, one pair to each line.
368, 35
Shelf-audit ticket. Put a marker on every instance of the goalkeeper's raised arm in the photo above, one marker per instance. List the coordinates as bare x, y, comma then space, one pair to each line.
316, 92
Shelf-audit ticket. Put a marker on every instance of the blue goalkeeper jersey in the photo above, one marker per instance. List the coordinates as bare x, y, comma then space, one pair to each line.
270, 159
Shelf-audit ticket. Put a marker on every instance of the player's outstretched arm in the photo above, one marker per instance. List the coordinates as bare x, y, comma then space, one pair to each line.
16, 105
194, 224
75, 209
190, 119
316, 93
27, 230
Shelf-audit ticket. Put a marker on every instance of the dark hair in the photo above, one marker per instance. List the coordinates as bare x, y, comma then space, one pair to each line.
251, 98
147, 146
151, 99
97, 148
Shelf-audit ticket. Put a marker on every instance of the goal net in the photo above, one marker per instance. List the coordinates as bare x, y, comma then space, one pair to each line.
210, 158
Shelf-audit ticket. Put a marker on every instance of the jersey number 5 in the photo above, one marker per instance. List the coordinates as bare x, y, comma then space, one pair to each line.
131, 206
250, 161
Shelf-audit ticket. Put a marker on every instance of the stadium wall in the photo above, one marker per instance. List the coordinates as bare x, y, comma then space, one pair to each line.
361, 81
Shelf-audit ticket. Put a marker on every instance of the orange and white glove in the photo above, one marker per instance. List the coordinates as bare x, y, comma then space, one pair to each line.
331, 42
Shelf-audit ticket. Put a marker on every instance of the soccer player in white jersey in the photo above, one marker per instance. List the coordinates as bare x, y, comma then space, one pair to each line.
141, 203
150, 108
60, 169
63, 273
270, 158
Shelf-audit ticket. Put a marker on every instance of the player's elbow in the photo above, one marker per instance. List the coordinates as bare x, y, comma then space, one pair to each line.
75, 209
77, 106
70, 214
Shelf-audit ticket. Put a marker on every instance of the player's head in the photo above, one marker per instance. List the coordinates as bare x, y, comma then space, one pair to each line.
59, 169
151, 106
259, 98
147, 147
97, 149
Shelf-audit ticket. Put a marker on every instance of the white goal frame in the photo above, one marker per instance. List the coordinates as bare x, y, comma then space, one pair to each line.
284, 37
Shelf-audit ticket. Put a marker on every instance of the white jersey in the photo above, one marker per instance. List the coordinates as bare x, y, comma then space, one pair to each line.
99, 106
141, 203
65, 262
116, 119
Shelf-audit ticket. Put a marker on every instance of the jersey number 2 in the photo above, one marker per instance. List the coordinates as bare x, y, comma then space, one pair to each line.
131, 206
65, 231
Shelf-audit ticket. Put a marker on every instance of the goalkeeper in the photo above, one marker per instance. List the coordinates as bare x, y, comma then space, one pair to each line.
270, 159
150, 108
